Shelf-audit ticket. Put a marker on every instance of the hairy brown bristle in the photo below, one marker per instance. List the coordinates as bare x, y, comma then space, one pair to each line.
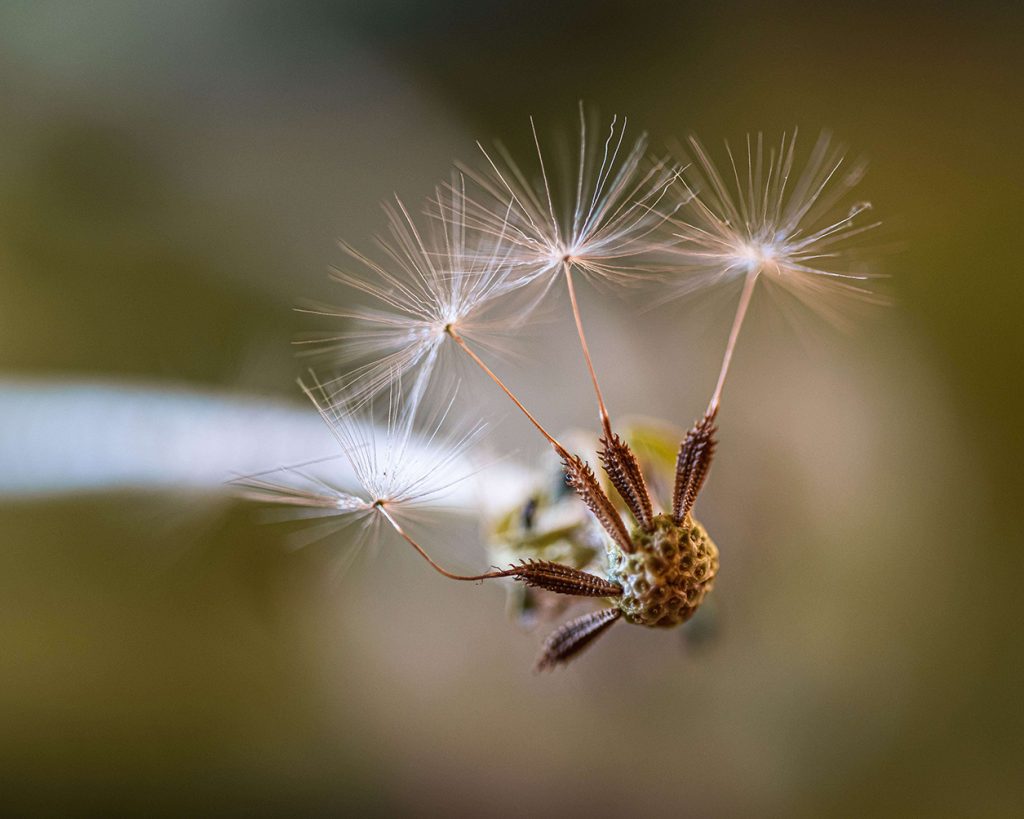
581, 477
695, 455
566, 642
556, 577
623, 470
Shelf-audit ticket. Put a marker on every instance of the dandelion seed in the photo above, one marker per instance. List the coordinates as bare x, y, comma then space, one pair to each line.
790, 229
607, 223
401, 471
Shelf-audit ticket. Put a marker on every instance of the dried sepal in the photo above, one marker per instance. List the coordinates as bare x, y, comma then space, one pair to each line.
692, 465
581, 478
562, 579
623, 471
569, 640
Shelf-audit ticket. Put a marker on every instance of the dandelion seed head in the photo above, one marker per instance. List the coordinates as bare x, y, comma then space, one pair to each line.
766, 217
755, 255
431, 279
603, 221
397, 458
402, 457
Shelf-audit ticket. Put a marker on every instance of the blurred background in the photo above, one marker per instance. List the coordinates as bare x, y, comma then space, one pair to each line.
173, 177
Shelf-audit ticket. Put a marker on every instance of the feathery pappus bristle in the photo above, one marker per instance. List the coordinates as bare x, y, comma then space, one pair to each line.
401, 460
765, 216
432, 278
603, 222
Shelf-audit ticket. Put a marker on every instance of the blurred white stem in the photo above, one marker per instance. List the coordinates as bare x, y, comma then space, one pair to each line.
65, 437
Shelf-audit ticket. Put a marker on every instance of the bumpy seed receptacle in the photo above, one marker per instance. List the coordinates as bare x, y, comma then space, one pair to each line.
665, 580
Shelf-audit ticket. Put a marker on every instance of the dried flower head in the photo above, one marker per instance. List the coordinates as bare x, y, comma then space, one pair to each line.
440, 284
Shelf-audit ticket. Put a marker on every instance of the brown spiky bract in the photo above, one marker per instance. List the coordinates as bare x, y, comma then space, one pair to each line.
692, 464
561, 579
623, 471
566, 642
580, 477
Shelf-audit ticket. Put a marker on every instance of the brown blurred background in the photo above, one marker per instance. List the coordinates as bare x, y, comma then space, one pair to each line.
172, 180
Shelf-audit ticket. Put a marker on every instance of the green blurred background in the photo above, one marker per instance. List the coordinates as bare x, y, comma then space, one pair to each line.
172, 180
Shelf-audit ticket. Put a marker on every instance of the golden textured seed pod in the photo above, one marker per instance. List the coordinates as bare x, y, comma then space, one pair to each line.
666, 578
